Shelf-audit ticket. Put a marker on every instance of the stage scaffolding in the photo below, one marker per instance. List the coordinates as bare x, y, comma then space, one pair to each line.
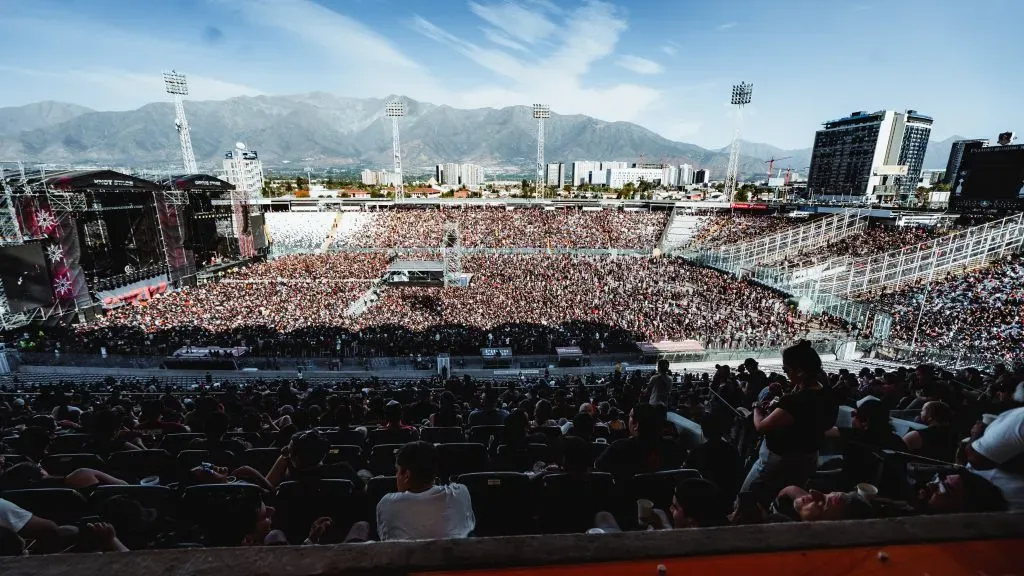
451, 250
12, 174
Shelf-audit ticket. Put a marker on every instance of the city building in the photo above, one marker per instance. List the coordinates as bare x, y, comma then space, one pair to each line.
378, 178
701, 177
593, 172
471, 175
956, 156
452, 172
685, 175
875, 156
619, 177
439, 173
242, 167
555, 174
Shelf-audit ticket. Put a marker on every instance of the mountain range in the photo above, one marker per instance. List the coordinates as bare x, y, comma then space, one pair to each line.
327, 130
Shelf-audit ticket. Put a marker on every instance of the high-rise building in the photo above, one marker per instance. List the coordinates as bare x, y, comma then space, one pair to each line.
956, 156
876, 156
618, 177
702, 176
685, 175
452, 172
368, 177
555, 174
471, 175
439, 173
243, 168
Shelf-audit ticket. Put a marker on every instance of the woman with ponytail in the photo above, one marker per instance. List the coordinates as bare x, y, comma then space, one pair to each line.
793, 427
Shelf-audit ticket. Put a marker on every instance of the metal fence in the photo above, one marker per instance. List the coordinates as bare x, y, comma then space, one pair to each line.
774, 247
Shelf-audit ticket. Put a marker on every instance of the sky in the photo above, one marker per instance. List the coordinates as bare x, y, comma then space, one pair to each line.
665, 64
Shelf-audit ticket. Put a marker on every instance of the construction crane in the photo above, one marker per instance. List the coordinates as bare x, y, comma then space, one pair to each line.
771, 164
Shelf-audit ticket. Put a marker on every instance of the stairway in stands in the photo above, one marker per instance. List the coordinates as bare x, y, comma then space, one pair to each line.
681, 230
334, 230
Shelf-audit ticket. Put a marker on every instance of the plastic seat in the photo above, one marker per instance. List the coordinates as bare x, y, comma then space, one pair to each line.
598, 448
521, 459
189, 459
156, 497
252, 438
260, 459
460, 458
503, 502
59, 505
68, 443
569, 503
483, 434
382, 459
442, 435
659, 487
134, 465
344, 437
300, 503
175, 443
351, 455
205, 506
63, 464
12, 459
552, 433
403, 436
376, 488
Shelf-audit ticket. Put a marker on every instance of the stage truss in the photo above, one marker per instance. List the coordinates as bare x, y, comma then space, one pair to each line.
451, 251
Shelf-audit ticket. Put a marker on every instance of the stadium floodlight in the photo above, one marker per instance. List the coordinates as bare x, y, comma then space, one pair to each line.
541, 112
395, 109
741, 96
177, 86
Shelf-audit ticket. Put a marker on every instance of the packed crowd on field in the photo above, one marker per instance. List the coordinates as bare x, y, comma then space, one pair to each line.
530, 303
480, 227
120, 466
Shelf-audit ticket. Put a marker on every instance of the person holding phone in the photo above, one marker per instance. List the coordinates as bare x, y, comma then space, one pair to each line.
793, 427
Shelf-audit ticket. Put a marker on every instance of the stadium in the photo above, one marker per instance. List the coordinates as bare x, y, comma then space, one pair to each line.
192, 370
536, 367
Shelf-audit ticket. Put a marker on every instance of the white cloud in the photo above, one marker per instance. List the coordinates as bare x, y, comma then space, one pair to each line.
726, 26
369, 64
670, 48
639, 65
515, 20
502, 40
557, 77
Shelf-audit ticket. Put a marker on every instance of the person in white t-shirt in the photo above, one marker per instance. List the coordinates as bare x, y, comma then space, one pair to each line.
48, 536
421, 510
998, 456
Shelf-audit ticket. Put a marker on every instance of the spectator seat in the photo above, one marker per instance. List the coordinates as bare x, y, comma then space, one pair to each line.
502, 502
442, 435
64, 464
460, 458
60, 505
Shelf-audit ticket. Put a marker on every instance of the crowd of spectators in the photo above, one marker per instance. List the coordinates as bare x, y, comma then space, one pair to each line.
530, 303
555, 454
508, 228
304, 231
978, 312
729, 228
876, 239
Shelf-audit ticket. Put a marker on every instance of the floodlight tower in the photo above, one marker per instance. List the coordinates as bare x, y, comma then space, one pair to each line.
541, 112
741, 94
395, 109
178, 87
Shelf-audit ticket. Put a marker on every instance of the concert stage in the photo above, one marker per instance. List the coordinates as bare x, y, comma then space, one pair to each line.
420, 273
103, 233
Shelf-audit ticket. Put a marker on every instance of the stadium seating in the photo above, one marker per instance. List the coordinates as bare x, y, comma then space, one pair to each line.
503, 502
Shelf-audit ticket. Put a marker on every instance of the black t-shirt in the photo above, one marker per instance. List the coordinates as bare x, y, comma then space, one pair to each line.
814, 411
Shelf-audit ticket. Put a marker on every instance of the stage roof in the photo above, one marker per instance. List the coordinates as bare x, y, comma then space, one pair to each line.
92, 180
197, 182
416, 266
